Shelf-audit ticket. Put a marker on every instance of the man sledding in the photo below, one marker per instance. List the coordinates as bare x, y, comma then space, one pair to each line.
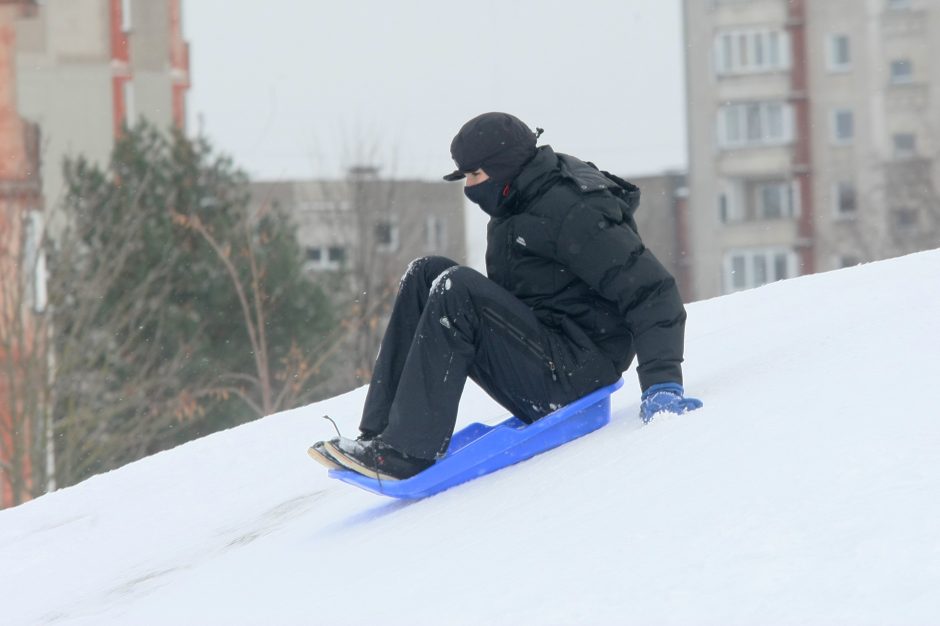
570, 298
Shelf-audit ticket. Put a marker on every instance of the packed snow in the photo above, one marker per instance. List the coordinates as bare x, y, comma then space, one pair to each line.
807, 490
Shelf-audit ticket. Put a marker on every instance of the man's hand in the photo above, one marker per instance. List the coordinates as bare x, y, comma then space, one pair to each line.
666, 398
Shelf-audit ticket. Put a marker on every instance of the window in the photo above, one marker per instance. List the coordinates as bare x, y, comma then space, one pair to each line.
902, 71
840, 53
435, 233
751, 52
847, 260
843, 126
745, 269
845, 203
774, 200
899, 4
754, 124
386, 236
336, 255
743, 200
329, 258
738, 272
905, 145
126, 15
905, 220
723, 209
34, 262
130, 108
731, 200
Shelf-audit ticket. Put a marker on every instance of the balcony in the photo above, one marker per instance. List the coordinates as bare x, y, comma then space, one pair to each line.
904, 23
907, 96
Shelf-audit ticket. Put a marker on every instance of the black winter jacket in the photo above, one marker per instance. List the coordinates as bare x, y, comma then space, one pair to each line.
564, 241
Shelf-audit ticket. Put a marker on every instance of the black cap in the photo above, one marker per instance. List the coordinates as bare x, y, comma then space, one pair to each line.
499, 143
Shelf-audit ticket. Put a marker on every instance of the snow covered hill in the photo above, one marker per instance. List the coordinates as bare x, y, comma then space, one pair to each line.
806, 491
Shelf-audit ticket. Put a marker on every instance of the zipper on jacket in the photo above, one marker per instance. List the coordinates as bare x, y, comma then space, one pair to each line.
532, 346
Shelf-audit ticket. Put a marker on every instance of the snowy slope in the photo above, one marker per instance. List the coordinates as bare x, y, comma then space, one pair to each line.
806, 491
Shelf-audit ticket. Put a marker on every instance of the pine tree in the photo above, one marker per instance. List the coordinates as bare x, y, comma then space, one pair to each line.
177, 310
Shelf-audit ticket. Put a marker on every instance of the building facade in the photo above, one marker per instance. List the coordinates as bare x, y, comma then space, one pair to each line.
358, 236
812, 136
662, 219
85, 68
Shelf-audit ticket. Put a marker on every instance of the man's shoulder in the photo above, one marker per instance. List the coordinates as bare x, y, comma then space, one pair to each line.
584, 175
578, 193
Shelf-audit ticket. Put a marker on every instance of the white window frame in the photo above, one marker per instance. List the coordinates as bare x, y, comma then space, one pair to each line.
835, 64
837, 191
34, 262
742, 268
740, 200
787, 194
324, 263
834, 125
751, 51
738, 120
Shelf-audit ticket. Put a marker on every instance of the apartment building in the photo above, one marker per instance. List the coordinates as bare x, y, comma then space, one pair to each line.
358, 235
662, 221
86, 67
812, 136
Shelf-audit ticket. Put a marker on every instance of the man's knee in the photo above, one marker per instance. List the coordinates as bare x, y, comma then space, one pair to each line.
425, 269
458, 282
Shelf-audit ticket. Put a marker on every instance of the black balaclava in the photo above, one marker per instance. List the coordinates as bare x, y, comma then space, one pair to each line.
486, 195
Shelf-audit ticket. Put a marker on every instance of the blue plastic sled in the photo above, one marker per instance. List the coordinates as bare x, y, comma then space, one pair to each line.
479, 449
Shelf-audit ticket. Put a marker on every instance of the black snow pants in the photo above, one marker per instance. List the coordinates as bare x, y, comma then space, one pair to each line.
450, 322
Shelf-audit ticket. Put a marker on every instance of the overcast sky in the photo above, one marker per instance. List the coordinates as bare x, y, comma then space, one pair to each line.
305, 88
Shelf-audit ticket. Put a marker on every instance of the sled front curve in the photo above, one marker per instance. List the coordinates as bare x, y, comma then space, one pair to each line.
478, 449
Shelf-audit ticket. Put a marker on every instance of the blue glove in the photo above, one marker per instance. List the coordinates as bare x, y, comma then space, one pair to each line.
666, 398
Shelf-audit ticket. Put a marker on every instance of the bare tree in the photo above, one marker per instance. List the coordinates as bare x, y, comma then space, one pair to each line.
272, 386
24, 364
900, 213
114, 388
375, 226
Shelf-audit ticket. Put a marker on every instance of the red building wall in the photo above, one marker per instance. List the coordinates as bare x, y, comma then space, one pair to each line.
19, 193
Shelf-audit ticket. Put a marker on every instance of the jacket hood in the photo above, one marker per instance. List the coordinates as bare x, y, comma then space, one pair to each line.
548, 167
536, 175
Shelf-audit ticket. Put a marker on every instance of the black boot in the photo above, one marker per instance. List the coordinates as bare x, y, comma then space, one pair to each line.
375, 458
319, 453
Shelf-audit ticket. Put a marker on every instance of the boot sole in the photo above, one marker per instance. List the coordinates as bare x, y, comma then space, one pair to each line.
353, 465
319, 454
